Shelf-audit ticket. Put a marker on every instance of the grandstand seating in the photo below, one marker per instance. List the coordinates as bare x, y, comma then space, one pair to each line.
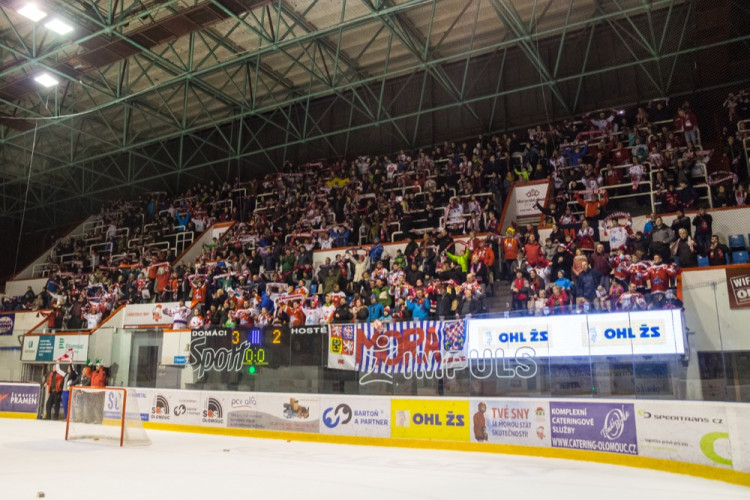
316, 206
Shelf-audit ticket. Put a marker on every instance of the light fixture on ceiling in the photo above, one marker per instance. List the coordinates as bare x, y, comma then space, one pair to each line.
31, 11
46, 80
59, 26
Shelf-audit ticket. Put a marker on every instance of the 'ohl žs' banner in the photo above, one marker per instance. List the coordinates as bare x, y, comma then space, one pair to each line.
738, 283
413, 346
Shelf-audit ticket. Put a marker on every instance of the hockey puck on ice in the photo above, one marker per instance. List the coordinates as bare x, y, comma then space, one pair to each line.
225, 450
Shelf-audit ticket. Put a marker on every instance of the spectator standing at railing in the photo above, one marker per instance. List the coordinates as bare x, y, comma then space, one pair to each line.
670, 200
604, 122
92, 317
576, 154
716, 252
601, 262
660, 275
533, 251
519, 291
587, 282
447, 302
649, 225
593, 207
178, 314
703, 223
553, 212
468, 305
687, 196
661, 237
585, 237
632, 300
419, 306
722, 197
687, 123
70, 379
54, 386
462, 260
376, 252
681, 221
684, 249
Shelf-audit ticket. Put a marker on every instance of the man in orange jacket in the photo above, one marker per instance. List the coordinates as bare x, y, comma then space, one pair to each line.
99, 376
592, 207
54, 384
98, 379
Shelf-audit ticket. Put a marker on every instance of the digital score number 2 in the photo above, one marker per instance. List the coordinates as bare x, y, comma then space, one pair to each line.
255, 337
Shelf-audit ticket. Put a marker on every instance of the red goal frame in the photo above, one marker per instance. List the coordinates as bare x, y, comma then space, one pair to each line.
122, 390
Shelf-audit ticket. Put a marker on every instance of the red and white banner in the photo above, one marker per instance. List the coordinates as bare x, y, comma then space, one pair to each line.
148, 315
414, 346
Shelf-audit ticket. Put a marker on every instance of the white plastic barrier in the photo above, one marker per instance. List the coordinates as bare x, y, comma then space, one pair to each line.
712, 436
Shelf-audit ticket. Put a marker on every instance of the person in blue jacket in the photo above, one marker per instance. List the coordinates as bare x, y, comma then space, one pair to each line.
266, 302
376, 252
575, 155
586, 284
340, 236
375, 308
182, 220
419, 306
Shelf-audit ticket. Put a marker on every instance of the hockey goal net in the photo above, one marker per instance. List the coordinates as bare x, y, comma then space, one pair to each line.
107, 414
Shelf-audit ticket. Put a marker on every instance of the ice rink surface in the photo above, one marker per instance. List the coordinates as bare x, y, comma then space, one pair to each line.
35, 457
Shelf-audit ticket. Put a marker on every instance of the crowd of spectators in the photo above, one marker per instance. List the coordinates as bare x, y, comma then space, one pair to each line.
261, 271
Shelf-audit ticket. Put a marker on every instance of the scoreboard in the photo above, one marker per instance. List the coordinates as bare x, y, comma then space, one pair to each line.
248, 349
235, 349
265, 346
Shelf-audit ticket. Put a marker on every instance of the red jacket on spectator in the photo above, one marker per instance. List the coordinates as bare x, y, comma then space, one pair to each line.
486, 255
510, 248
601, 263
555, 301
688, 121
199, 293
296, 316
533, 252
99, 377
659, 276
54, 382
639, 273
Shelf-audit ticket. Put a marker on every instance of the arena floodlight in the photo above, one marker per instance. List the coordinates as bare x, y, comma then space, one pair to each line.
59, 26
31, 11
46, 80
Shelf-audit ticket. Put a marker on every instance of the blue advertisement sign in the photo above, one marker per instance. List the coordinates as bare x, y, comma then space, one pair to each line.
6, 323
608, 427
19, 398
45, 348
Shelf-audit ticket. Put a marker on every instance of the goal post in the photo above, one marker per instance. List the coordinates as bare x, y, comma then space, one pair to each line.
108, 414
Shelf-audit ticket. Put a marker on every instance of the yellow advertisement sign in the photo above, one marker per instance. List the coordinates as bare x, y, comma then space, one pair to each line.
446, 420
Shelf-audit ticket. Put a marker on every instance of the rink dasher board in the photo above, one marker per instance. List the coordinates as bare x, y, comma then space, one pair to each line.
702, 433
20, 400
